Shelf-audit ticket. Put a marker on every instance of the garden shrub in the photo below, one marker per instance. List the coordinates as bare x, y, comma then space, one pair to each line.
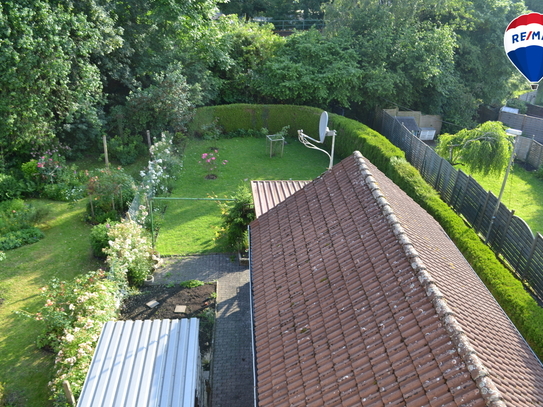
9, 187
110, 191
126, 149
236, 217
17, 214
73, 315
18, 238
99, 238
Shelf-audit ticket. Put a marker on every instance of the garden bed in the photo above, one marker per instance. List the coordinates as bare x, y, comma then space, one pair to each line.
200, 302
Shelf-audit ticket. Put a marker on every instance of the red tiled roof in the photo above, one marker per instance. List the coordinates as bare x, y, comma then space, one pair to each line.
346, 311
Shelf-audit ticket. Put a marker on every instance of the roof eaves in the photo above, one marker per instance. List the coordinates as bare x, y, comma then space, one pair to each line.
478, 371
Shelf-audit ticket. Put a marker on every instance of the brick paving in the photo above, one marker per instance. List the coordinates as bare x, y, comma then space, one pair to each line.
232, 364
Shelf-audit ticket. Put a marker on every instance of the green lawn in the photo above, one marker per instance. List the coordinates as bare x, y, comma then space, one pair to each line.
64, 252
189, 226
523, 193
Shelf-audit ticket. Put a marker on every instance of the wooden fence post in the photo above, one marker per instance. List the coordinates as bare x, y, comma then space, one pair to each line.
105, 149
68, 392
149, 138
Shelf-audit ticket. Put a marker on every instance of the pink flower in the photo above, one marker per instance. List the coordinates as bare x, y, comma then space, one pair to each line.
204, 155
212, 158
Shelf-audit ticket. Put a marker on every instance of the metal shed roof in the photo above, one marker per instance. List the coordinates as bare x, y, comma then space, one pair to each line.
144, 363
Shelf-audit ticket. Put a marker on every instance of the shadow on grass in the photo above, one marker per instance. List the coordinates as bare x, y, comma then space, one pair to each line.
64, 253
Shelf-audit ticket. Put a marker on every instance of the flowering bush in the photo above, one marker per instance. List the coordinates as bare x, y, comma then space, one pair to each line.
73, 316
130, 252
50, 176
211, 161
163, 168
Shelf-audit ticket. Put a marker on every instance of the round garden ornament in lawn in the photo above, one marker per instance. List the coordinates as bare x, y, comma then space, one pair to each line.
324, 132
523, 43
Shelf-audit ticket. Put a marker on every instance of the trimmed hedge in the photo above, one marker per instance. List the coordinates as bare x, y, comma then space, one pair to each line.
352, 135
272, 117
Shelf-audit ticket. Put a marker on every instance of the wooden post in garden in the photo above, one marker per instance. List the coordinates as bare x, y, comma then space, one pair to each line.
105, 150
68, 392
149, 138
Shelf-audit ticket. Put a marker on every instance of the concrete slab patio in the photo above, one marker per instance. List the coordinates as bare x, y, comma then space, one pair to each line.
232, 364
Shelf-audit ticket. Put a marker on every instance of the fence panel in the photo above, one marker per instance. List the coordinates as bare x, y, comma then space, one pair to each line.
472, 204
533, 273
417, 154
446, 180
510, 235
535, 154
430, 169
517, 243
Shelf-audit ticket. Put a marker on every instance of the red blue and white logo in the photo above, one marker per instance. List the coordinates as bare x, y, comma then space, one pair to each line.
523, 42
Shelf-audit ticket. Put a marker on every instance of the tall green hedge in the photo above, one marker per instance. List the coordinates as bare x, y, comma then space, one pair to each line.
272, 117
352, 135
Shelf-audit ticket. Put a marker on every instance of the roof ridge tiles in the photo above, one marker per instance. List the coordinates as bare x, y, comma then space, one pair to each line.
478, 371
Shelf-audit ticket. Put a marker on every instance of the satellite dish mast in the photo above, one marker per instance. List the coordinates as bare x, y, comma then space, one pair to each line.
324, 131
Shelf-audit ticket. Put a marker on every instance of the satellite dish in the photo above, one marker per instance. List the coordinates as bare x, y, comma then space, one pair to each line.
323, 132
323, 126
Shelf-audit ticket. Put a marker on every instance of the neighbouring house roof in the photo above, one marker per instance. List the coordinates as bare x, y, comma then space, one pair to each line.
145, 363
267, 194
409, 122
361, 299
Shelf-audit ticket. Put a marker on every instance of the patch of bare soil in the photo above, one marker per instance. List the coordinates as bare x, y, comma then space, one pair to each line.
199, 301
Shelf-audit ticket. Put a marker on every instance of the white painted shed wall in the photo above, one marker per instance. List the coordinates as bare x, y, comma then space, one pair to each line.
152, 363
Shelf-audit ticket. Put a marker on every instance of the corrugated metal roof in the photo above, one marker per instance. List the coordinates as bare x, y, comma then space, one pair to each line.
268, 194
144, 363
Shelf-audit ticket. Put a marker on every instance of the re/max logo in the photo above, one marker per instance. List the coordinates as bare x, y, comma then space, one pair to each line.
525, 36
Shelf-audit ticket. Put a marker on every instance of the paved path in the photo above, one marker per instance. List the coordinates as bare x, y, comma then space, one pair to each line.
232, 365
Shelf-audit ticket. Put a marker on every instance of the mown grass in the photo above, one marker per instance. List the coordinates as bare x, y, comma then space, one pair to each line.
190, 226
523, 193
64, 253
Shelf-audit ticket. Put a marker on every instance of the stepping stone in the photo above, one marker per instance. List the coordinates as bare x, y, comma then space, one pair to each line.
180, 309
152, 304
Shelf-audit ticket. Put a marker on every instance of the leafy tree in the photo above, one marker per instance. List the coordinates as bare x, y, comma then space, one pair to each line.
439, 56
534, 5
165, 105
49, 85
485, 149
241, 49
278, 9
313, 70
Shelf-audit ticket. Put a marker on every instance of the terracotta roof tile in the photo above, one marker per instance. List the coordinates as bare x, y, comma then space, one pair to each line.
341, 317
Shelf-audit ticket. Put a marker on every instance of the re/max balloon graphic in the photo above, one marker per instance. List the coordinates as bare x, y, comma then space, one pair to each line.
523, 42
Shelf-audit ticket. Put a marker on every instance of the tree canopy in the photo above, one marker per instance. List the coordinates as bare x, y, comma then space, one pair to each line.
485, 149
73, 70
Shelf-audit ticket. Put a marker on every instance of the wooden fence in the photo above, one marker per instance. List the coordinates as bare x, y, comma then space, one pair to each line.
509, 236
